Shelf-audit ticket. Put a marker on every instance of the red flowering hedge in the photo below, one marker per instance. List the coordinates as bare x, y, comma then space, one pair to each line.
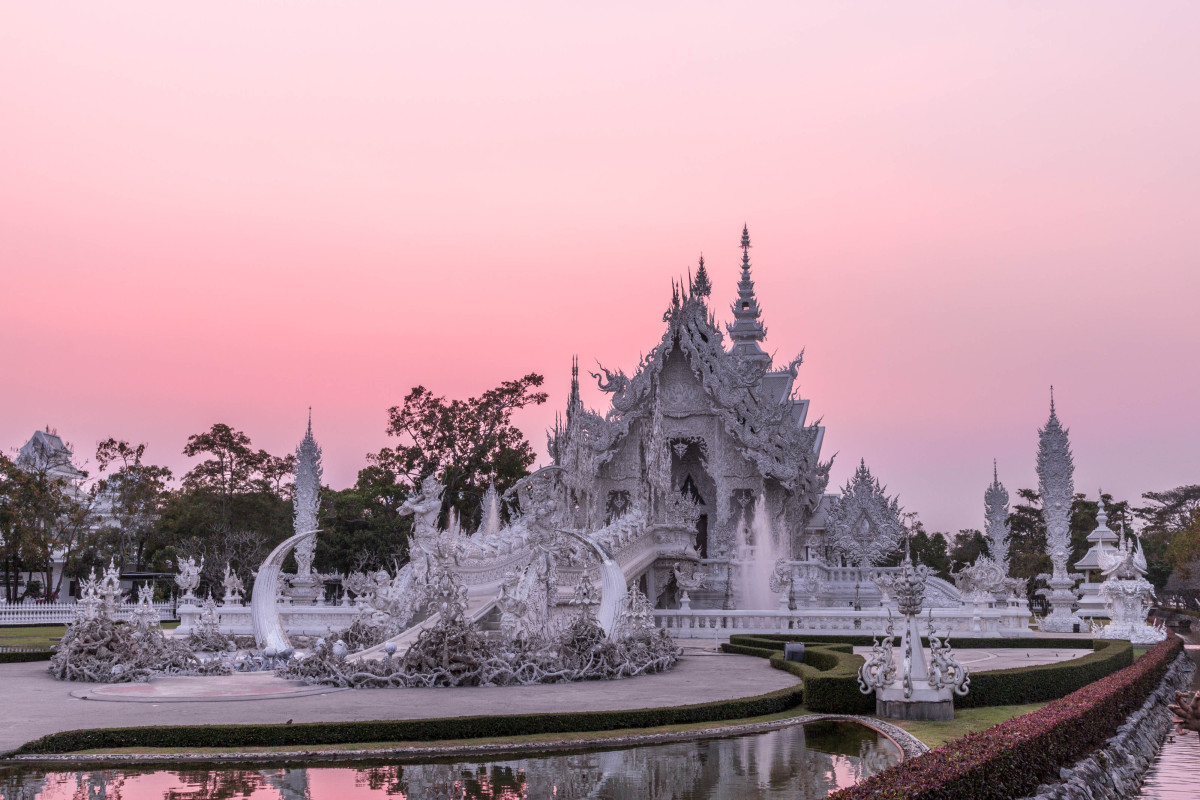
1011, 759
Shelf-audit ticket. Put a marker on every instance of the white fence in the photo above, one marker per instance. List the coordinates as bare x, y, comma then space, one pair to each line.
29, 613
970, 620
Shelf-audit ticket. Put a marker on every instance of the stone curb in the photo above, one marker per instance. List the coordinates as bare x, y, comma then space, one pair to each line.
908, 744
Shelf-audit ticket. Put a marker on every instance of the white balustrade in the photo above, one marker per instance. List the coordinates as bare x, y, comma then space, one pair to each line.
298, 620
969, 621
59, 613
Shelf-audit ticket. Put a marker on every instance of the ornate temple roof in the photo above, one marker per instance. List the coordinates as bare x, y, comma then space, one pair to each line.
755, 403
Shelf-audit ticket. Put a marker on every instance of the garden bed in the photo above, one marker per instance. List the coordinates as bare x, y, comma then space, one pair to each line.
832, 678
1013, 758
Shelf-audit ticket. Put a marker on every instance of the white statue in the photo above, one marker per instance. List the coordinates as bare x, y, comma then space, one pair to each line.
233, 587
144, 615
688, 583
110, 588
188, 578
1128, 594
90, 605
425, 506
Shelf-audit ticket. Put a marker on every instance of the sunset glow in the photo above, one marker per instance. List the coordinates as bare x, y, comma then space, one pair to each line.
236, 215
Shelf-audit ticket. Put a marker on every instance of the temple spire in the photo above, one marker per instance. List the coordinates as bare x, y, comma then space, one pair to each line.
574, 403
701, 285
747, 329
995, 515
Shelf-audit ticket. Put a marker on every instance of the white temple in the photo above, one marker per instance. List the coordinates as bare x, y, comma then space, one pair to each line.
1103, 539
702, 486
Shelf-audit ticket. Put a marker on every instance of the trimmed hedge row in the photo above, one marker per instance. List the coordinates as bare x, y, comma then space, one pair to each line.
833, 688
411, 730
829, 674
20, 656
1011, 759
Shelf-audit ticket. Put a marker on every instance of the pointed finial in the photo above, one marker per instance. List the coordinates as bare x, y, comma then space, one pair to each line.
310, 420
995, 472
1052, 399
701, 285
745, 236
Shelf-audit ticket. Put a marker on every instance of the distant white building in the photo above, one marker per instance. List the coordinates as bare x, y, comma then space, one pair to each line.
47, 452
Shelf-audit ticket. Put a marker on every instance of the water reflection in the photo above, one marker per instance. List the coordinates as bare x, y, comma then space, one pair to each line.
806, 761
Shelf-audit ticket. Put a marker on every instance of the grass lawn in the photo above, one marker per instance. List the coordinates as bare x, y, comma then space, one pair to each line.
31, 636
41, 636
966, 720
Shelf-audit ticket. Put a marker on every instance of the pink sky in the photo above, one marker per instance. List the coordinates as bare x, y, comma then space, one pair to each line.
233, 211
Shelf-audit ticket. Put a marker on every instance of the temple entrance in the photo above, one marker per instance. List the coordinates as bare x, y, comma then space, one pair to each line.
689, 488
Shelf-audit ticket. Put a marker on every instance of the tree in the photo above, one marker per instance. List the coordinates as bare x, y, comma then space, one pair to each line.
1027, 539
1171, 536
969, 544
232, 507
232, 467
467, 444
361, 526
134, 494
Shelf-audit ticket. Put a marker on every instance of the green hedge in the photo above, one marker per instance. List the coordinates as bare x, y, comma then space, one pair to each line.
830, 673
20, 656
411, 730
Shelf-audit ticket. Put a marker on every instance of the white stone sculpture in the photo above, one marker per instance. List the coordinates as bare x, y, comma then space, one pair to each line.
995, 527
90, 604
425, 506
233, 587
865, 527
305, 586
688, 581
110, 588
145, 616
188, 578
917, 689
1128, 593
1056, 485
783, 579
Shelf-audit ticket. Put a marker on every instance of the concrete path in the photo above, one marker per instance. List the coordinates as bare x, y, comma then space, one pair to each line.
35, 704
981, 660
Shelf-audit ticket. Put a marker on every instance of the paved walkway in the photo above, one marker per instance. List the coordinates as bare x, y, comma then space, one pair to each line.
35, 704
981, 660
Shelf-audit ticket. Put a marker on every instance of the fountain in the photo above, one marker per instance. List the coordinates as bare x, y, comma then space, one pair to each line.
757, 552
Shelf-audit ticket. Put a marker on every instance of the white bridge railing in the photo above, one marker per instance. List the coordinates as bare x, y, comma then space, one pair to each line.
60, 613
305, 620
969, 620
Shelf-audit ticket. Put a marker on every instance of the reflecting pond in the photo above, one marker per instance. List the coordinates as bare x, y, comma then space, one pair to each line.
797, 762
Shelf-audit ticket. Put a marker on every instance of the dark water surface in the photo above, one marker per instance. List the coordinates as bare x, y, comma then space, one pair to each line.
798, 762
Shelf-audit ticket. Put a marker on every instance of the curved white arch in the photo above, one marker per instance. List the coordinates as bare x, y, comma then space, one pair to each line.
268, 627
612, 582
